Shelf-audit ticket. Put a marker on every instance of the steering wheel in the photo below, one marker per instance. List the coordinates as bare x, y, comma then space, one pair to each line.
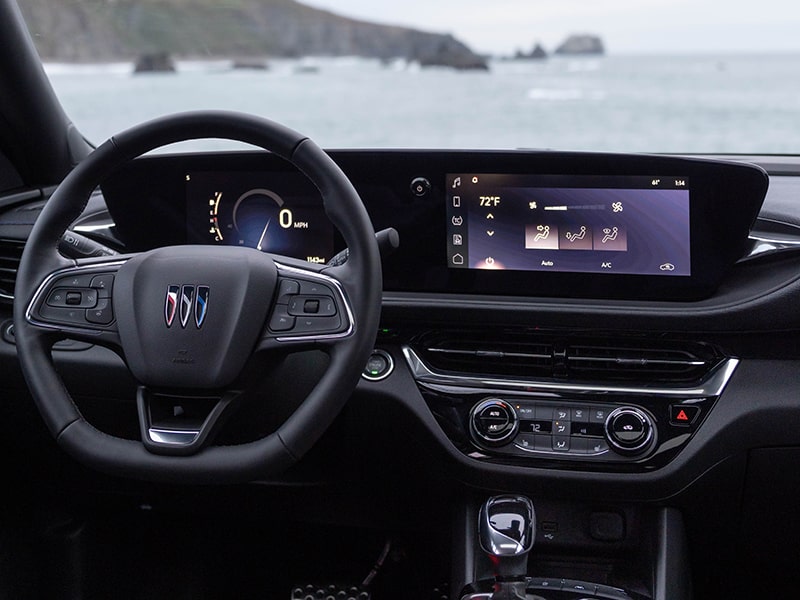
186, 319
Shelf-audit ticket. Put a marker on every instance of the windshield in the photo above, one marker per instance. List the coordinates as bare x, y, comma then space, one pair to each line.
658, 76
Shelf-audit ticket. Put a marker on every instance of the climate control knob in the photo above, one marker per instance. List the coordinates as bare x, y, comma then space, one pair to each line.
630, 430
493, 422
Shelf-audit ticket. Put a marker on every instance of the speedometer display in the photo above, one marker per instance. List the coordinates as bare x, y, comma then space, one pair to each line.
271, 212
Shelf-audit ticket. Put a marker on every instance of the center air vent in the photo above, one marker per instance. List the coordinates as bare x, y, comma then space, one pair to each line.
569, 358
10, 254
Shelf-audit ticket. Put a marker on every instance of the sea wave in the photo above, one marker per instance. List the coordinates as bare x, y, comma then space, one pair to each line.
565, 95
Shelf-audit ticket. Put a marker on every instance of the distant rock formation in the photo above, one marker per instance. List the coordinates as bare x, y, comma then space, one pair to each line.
155, 62
537, 53
581, 44
250, 64
448, 52
100, 31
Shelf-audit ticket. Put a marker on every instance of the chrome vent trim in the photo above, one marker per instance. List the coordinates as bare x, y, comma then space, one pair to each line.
663, 363
10, 255
712, 384
571, 357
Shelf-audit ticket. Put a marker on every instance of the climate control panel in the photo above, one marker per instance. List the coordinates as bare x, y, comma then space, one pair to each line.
599, 431
614, 427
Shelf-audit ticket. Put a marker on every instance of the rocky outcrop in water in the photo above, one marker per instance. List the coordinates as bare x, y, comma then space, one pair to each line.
537, 53
581, 44
157, 62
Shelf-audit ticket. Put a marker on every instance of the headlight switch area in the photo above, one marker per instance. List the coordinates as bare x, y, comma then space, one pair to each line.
604, 427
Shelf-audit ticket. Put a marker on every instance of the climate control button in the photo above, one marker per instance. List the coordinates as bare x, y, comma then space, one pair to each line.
493, 422
629, 430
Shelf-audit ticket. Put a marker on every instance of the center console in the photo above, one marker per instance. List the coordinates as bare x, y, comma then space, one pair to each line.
632, 555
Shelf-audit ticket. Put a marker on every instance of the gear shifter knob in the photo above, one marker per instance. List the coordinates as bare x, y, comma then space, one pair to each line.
506, 528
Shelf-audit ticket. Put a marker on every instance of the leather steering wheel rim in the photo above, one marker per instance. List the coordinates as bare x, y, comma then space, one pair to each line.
360, 277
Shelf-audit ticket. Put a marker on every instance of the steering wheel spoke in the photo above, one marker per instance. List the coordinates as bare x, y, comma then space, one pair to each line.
310, 309
180, 425
77, 303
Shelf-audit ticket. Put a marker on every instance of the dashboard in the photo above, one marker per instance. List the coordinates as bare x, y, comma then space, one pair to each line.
557, 385
638, 368
551, 224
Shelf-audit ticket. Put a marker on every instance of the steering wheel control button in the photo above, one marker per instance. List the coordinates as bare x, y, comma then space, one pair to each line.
75, 281
683, 416
312, 325
103, 284
493, 422
629, 430
313, 288
67, 316
102, 314
379, 366
286, 289
281, 320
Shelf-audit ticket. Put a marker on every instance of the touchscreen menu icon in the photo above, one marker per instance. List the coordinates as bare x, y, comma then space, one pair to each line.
611, 238
576, 237
541, 237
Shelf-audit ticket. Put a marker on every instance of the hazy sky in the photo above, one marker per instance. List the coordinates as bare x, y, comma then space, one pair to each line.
502, 26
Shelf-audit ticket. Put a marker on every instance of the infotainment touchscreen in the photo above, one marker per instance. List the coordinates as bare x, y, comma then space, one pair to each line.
582, 224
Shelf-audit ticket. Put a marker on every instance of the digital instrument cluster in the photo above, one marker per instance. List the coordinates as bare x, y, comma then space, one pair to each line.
280, 214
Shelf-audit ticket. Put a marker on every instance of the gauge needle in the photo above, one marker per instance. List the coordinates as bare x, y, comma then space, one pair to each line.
263, 233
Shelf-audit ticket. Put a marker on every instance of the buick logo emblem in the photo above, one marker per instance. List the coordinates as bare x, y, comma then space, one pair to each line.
183, 301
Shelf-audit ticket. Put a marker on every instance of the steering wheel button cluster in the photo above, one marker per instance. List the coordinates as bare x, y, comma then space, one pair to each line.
319, 306
72, 297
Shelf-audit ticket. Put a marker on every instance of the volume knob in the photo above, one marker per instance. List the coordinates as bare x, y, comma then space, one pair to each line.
629, 430
493, 422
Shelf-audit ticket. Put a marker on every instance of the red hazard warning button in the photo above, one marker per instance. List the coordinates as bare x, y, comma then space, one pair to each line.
681, 414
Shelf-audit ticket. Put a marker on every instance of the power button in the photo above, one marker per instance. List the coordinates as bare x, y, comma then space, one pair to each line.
379, 366
420, 187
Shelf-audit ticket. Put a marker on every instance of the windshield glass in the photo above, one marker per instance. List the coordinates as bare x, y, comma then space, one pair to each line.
629, 76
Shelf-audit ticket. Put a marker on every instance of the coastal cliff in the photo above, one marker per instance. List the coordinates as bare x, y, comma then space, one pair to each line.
110, 30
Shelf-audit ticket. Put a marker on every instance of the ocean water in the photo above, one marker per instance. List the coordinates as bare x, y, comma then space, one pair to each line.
697, 104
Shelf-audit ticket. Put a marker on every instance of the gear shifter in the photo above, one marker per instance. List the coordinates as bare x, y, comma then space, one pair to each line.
506, 528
